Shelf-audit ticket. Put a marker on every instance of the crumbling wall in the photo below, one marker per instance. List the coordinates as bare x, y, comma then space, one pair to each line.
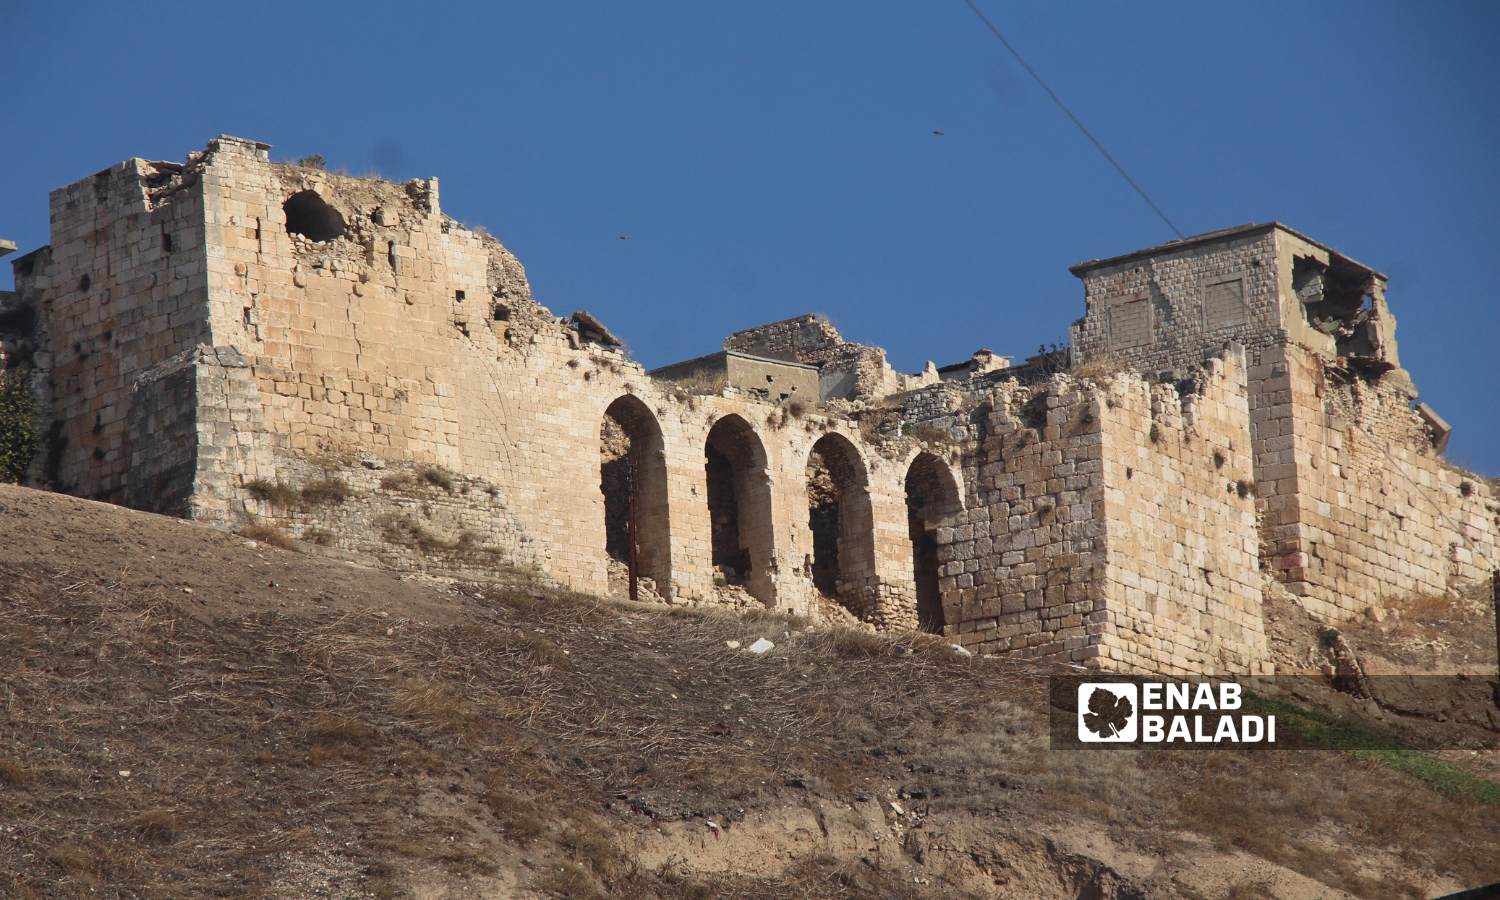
848, 371
808, 339
401, 516
1364, 511
235, 339
1021, 563
121, 289
403, 337
1112, 523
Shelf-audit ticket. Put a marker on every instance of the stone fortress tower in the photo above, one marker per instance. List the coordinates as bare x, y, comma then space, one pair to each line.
232, 339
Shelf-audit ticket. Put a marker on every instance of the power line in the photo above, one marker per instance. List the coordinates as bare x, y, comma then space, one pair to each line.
1069, 113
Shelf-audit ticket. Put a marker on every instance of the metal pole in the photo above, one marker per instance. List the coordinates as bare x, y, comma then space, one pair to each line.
630, 524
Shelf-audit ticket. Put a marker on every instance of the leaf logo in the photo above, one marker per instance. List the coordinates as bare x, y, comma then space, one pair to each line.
1107, 712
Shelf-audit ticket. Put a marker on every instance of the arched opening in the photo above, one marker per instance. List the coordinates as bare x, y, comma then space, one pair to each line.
931, 500
312, 217
633, 478
739, 508
842, 524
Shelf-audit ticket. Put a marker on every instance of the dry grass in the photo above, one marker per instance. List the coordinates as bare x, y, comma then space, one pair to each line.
269, 535
436, 477
268, 724
156, 826
465, 547
932, 434
563, 721
320, 536
325, 492
521, 819
12, 773
698, 384
1100, 369
276, 493
399, 481
426, 476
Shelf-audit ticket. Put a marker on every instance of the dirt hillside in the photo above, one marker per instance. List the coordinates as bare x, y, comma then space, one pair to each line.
185, 712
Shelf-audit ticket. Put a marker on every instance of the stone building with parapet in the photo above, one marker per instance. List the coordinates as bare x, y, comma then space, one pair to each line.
255, 343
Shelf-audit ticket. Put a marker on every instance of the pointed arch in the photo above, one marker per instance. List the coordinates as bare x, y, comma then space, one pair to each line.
932, 500
739, 506
633, 479
842, 522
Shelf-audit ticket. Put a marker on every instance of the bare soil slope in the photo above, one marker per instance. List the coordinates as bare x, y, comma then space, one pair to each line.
184, 712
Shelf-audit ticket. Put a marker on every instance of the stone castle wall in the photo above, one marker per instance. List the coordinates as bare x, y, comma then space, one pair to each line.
1183, 580
1171, 310
1357, 507
1111, 523
416, 340
272, 344
121, 289
1365, 512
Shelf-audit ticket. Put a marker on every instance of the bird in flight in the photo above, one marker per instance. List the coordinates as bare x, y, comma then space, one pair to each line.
936, 132
624, 237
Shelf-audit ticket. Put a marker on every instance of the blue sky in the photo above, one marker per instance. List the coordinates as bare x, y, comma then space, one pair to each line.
778, 158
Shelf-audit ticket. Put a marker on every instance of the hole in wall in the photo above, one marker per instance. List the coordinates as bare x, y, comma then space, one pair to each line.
633, 480
841, 521
312, 217
739, 506
931, 499
85, 281
458, 296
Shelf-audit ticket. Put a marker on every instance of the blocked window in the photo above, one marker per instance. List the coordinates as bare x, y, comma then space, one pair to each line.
1130, 323
312, 217
1224, 303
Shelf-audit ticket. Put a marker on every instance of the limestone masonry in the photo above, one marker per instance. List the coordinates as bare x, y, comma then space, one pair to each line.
246, 342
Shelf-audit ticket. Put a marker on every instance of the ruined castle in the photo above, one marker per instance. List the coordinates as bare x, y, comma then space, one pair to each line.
249, 342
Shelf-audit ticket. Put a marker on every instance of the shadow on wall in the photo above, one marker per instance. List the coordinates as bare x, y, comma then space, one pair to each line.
739, 507
633, 479
932, 500
842, 523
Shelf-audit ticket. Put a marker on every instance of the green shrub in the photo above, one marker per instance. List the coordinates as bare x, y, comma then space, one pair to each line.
18, 441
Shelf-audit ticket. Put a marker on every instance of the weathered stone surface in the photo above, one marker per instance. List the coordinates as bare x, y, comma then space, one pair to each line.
379, 380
